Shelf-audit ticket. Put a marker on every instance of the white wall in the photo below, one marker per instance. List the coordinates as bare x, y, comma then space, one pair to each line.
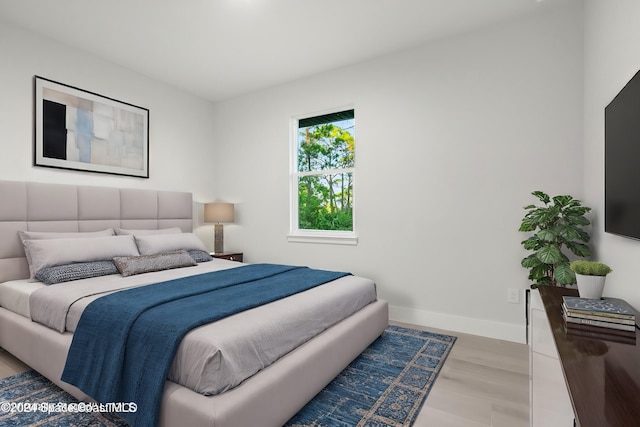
451, 138
181, 134
446, 136
612, 57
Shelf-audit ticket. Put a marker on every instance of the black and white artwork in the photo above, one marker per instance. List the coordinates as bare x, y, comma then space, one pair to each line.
81, 130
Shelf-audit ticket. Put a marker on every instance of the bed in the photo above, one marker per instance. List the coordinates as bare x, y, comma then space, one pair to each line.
267, 398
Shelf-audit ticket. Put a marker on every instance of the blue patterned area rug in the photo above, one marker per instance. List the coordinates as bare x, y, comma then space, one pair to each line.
384, 387
29, 399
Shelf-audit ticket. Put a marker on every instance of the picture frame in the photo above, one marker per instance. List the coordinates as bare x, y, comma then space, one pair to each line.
80, 130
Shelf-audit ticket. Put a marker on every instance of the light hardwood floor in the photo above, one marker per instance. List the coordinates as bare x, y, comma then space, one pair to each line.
9, 365
484, 382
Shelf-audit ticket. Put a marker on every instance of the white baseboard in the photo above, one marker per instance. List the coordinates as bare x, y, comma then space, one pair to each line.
487, 328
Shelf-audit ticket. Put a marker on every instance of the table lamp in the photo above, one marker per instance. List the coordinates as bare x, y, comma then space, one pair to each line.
218, 213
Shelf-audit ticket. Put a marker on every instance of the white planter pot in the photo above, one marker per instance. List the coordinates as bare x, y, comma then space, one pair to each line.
590, 287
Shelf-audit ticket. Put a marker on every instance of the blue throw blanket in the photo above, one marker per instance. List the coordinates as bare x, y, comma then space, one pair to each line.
125, 342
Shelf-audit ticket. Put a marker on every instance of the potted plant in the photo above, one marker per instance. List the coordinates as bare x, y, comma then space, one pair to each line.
556, 225
590, 276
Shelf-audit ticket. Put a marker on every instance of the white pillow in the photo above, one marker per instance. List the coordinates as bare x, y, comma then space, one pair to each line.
52, 252
172, 230
158, 243
30, 235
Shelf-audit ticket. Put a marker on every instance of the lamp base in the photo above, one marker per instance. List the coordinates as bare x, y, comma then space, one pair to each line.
218, 239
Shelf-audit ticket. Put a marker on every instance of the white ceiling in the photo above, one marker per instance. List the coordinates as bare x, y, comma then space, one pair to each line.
218, 49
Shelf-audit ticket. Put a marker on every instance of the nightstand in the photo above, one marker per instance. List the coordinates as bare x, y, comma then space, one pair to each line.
231, 256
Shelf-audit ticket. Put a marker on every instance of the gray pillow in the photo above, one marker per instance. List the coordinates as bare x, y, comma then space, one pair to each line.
75, 271
130, 265
200, 256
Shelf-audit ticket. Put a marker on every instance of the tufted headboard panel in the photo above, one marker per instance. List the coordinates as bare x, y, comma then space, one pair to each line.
34, 206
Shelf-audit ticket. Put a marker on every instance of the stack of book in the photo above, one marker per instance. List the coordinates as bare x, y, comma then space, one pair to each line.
607, 316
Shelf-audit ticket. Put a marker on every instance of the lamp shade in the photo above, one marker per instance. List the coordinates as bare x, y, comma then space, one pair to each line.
218, 212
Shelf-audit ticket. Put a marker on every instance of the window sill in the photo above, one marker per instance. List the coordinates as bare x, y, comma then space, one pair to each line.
323, 239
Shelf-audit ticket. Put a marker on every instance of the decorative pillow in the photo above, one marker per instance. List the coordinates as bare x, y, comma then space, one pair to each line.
200, 256
52, 252
173, 230
128, 266
160, 243
75, 271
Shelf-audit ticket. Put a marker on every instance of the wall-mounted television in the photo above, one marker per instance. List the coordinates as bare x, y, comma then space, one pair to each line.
622, 162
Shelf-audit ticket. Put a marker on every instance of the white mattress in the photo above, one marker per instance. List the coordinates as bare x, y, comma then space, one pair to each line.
218, 356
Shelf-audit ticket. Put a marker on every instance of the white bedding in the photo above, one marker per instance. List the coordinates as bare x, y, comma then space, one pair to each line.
218, 356
14, 295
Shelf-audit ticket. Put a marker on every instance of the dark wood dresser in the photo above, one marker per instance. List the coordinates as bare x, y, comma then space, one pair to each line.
602, 373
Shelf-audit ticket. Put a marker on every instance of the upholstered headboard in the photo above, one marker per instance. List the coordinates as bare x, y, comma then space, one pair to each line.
33, 206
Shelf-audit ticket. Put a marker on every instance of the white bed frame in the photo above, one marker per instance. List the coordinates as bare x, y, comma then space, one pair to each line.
269, 398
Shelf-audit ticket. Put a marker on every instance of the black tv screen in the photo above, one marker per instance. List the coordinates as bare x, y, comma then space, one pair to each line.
622, 162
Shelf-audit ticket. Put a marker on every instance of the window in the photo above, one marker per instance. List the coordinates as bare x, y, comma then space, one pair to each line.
322, 178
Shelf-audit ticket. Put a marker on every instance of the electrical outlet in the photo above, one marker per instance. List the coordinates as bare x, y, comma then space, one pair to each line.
513, 296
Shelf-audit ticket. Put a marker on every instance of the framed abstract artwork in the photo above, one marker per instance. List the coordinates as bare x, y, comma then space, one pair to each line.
81, 130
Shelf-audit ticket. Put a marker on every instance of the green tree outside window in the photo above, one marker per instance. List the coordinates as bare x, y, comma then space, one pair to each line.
325, 167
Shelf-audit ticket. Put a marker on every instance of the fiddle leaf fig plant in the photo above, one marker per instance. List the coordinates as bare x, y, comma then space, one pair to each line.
557, 226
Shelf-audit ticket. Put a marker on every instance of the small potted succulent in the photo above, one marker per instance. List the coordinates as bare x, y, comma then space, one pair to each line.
590, 276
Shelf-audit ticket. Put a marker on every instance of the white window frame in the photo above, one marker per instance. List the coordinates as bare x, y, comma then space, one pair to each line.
297, 235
